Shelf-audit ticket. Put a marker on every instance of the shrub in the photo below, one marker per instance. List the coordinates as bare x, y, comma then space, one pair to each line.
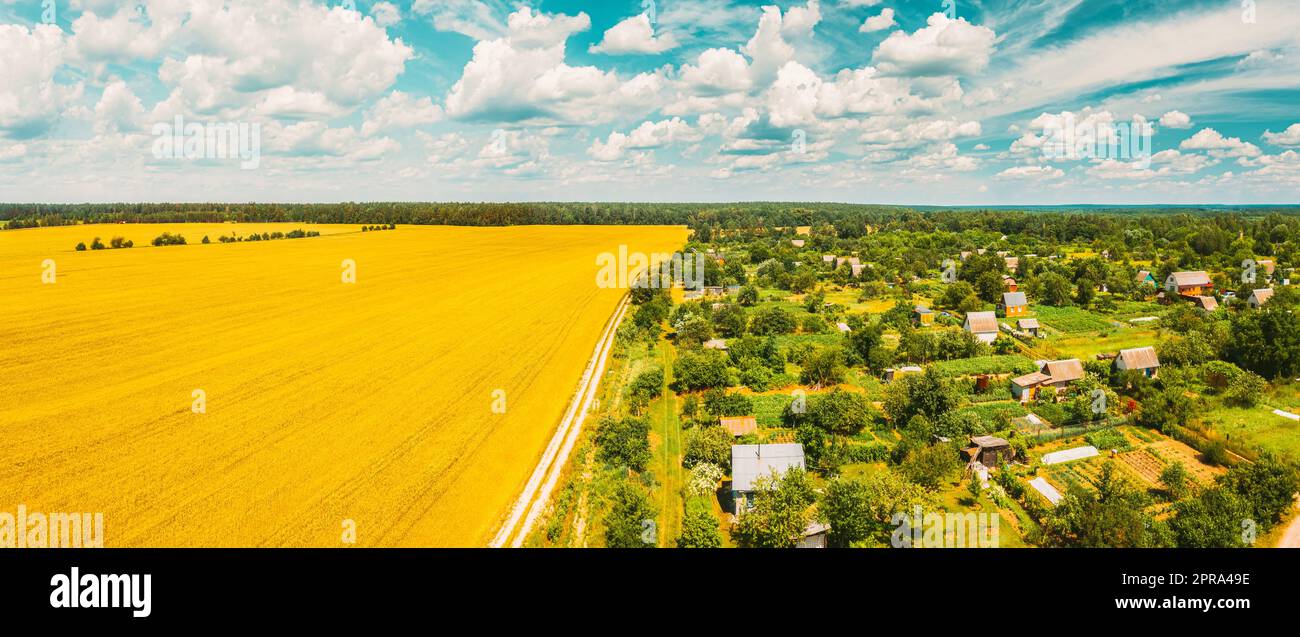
81, 247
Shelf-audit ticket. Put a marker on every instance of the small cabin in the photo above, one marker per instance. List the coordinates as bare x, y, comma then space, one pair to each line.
1138, 359
922, 316
1259, 297
1029, 326
1013, 304
989, 451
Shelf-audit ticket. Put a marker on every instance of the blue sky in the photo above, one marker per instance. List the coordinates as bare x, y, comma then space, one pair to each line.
884, 101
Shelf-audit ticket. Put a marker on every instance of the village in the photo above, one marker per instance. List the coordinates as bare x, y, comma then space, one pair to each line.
812, 378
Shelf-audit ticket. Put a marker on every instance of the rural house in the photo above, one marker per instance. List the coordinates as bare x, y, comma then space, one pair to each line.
1010, 284
751, 462
1268, 265
1013, 263
1259, 297
922, 316
1144, 278
989, 451
716, 343
1054, 374
798, 243
984, 325
1138, 359
1029, 326
857, 269
828, 258
740, 425
1013, 304
1189, 283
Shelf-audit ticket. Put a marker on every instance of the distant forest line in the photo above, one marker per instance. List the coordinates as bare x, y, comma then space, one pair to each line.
848, 219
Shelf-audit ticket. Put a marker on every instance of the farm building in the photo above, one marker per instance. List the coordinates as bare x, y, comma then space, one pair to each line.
858, 268
740, 425
1138, 359
1188, 283
1029, 326
984, 325
989, 451
751, 462
714, 291
1144, 278
828, 258
1259, 297
1013, 304
1010, 284
1055, 374
798, 243
922, 316
1013, 263
964, 254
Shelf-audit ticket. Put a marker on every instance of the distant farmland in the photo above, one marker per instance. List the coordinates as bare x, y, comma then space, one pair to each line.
325, 401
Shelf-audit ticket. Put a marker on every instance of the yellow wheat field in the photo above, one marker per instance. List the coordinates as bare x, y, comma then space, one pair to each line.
326, 402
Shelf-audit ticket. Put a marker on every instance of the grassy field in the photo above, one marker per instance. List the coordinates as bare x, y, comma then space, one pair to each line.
325, 401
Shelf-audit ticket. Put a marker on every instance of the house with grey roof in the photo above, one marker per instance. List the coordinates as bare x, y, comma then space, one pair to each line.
751, 462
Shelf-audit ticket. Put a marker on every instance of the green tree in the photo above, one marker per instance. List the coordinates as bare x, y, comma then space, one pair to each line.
824, 367
1212, 519
860, 511
624, 442
780, 511
704, 369
840, 413
1175, 481
699, 527
629, 522
711, 444
931, 466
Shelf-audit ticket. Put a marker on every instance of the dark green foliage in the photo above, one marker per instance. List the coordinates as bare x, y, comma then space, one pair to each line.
624, 442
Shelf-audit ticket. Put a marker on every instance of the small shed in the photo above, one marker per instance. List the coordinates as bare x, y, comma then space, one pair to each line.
1029, 325
989, 451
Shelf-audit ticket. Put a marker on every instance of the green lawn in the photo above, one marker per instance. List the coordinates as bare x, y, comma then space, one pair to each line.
666, 444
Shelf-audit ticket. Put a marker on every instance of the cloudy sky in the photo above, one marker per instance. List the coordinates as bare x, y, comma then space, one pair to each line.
887, 101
